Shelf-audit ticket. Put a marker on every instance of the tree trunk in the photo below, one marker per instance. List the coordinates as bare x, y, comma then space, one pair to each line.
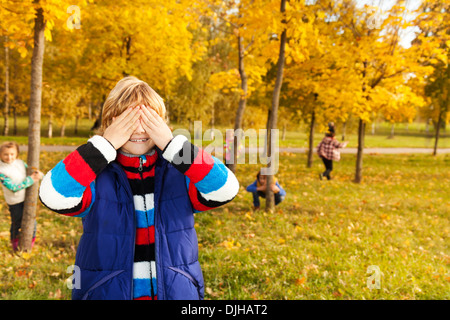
34, 131
100, 114
14, 121
75, 131
391, 135
344, 130
90, 110
436, 137
359, 155
6, 100
168, 107
266, 138
361, 136
270, 201
241, 108
127, 44
50, 126
212, 121
311, 140
63, 128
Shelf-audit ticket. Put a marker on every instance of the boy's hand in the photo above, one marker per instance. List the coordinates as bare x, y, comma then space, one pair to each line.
155, 127
122, 127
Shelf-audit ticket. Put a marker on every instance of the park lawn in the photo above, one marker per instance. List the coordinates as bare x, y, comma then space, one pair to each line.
415, 136
318, 244
300, 140
320, 241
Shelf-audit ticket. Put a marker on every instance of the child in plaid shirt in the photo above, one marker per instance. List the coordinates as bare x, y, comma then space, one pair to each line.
328, 150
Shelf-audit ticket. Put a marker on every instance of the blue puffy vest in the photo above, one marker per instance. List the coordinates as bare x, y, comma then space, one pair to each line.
105, 252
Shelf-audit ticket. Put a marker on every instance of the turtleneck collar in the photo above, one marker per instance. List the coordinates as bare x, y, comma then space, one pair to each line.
132, 160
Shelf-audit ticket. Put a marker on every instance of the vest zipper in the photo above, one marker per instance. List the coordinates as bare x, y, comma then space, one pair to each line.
142, 160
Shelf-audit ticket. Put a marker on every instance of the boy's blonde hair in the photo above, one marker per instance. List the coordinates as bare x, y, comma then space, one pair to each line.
8, 145
130, 91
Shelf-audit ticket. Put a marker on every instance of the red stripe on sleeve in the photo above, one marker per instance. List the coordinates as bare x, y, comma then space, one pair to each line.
86, 202
194, 200
202, 165
78, 169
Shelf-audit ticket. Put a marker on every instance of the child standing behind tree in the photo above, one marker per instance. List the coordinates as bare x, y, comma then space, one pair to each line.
14, 182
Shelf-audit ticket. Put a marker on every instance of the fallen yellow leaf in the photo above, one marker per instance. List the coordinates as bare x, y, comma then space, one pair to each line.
26, 255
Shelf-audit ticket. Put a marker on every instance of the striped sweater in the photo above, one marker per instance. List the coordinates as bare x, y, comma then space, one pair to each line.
140, 171
69, 189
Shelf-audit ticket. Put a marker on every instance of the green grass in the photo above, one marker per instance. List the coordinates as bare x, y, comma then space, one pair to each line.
380, 140
41, 273
320, 241
70, 138
415, 136
317, 244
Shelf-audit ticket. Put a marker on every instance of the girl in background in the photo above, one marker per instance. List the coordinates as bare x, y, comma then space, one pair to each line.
14, 182
328, 150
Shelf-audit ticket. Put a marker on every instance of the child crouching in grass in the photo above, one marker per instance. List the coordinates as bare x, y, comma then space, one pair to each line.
136, 188
258, 189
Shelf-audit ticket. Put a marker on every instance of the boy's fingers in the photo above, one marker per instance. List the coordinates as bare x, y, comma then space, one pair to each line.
146, 116
146, 127
130, 128
134, 116
130, 117
130, 111
156, 116
132, 124
144, 113
147, 124
149, 115
121, 116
